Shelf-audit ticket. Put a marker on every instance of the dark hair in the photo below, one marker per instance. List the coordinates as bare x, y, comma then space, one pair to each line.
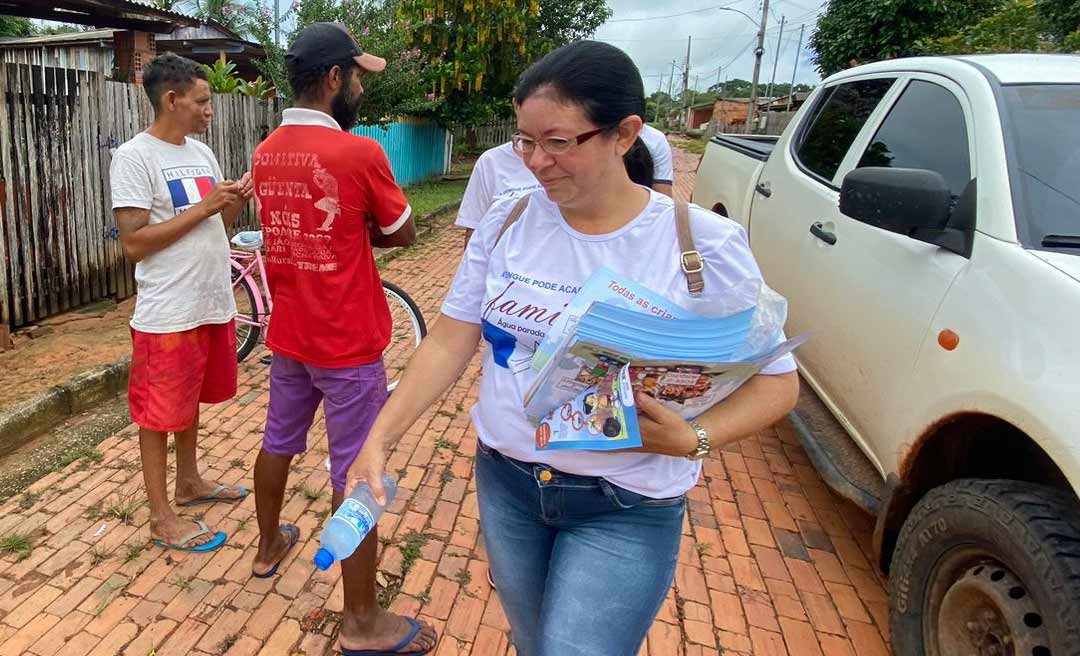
604, 82
304, 81
639, 164
170, 72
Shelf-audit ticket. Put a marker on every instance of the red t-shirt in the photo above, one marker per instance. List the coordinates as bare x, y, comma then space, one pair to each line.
315, 189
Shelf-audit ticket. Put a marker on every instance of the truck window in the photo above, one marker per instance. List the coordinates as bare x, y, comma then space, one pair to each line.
837, 120
925, 129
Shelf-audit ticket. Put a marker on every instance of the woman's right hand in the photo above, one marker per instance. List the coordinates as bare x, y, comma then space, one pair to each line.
369, 466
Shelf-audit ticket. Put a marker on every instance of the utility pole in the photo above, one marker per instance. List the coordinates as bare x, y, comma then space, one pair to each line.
751, 114
794, 68
692, 99
659, 90
776, 58
670, 86
686, 78
277, 23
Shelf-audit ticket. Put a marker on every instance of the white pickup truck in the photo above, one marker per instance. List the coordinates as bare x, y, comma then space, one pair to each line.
922, 216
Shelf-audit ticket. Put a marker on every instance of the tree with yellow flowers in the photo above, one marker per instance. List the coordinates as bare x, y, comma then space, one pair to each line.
473, 50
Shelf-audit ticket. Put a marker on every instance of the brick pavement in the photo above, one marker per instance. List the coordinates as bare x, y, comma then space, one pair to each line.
771, 563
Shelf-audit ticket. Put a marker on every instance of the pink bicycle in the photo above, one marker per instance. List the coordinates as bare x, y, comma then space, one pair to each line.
254, 306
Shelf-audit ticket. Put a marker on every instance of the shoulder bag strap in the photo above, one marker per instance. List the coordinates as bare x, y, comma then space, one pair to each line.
515, 214
690, 259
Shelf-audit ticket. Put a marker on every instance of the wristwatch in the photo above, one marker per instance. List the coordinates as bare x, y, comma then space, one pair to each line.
702, 449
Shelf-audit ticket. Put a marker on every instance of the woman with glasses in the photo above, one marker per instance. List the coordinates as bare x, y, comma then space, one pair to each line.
583, 545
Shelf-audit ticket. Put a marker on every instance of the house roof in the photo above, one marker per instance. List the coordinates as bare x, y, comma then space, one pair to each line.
120, 14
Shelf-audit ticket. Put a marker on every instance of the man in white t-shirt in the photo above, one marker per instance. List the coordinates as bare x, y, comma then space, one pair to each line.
173, 206
501, 173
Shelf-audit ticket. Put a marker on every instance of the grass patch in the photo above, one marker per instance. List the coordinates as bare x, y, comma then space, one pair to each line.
429, 196
18, 544
695, 146
85, 455
463, 577
443, 443
424, 598
134, 549
447, 474
411, 543
309, 493
97, 556
123, 507
703, 549
238, 463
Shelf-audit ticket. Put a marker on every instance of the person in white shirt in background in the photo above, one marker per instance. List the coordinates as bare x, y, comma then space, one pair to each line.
501, 173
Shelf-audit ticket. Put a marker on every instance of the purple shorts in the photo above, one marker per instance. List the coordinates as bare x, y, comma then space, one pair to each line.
351, 398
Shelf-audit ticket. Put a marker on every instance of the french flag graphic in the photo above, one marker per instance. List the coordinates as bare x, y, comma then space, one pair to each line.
188, 191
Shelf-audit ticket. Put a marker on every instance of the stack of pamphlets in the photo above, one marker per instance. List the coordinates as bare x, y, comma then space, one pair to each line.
583, 395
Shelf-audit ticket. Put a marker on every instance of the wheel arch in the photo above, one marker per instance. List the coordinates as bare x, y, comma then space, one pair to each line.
964, 445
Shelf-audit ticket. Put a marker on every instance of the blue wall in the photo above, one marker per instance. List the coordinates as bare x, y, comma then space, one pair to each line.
416, 151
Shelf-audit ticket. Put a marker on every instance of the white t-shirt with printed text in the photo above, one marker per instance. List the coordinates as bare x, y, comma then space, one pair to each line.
517, 287
186, 284
501, 173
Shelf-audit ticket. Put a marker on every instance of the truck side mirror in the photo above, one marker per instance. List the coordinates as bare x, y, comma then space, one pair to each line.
897, 199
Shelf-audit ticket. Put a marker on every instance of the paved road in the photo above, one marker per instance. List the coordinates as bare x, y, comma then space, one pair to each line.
772, 563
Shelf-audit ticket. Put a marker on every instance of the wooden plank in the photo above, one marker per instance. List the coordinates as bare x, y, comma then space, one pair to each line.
79, 202
6, 210
36, 254
108, 119
53, 266
25, 215
16, 173
91, 92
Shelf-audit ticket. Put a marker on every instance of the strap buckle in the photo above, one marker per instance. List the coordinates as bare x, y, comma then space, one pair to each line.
692, 262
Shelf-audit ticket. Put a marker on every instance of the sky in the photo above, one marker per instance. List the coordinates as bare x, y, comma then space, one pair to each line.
655, 33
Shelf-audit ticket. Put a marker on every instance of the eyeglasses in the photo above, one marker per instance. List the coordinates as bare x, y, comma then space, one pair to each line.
551, 145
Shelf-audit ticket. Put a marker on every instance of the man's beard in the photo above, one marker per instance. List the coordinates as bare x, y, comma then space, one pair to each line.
345, 109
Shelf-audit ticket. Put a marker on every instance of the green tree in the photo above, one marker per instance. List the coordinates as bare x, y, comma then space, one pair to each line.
861, 31
15, 26
398, 90
1019, 26
474, 50
236, 15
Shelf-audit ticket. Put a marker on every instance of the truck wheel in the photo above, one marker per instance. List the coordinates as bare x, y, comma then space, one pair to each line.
988, 568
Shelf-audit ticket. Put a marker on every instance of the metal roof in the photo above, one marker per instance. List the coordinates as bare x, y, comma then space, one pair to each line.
120, 14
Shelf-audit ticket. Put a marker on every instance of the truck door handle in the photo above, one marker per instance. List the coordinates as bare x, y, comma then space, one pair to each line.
764, 188
819, 231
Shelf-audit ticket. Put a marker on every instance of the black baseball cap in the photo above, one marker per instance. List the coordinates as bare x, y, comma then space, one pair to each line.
321, 45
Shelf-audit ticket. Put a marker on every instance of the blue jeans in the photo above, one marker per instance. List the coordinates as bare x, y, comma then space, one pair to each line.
581, 565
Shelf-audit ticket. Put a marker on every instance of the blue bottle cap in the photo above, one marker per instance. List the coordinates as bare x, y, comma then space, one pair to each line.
323, 559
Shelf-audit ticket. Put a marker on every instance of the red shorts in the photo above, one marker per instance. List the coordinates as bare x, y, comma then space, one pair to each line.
171, 373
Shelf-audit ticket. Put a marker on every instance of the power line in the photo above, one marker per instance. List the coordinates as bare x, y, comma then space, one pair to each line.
685, 13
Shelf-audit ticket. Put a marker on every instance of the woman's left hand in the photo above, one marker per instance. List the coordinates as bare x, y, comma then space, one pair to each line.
663, 431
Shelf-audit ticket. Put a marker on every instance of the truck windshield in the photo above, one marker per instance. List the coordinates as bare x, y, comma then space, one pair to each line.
1044, 120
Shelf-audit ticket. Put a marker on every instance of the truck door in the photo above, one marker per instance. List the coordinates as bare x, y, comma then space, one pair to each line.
869, 295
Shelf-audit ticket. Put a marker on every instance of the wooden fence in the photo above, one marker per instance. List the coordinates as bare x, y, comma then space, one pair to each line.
59, 245
489, 135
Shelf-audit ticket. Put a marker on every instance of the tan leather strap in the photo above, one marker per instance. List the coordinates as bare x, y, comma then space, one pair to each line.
515, 214
690, 259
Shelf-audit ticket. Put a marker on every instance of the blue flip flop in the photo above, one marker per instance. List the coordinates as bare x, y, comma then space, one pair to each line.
215, 496
219, 539
396, 651
293, 534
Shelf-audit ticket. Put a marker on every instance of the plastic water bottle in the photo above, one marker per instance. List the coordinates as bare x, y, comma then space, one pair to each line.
354, 519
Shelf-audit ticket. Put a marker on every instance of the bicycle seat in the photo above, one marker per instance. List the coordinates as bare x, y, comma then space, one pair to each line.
248, 240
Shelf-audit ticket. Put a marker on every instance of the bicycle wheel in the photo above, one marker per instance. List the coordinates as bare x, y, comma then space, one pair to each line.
247, 317
407, 329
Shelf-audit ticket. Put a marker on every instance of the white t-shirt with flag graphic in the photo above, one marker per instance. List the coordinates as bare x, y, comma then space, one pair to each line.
187, 284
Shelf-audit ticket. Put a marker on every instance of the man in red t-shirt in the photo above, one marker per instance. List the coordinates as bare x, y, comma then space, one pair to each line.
324, 198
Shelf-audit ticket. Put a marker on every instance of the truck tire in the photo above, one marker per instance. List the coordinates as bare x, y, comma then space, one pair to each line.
987, 567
